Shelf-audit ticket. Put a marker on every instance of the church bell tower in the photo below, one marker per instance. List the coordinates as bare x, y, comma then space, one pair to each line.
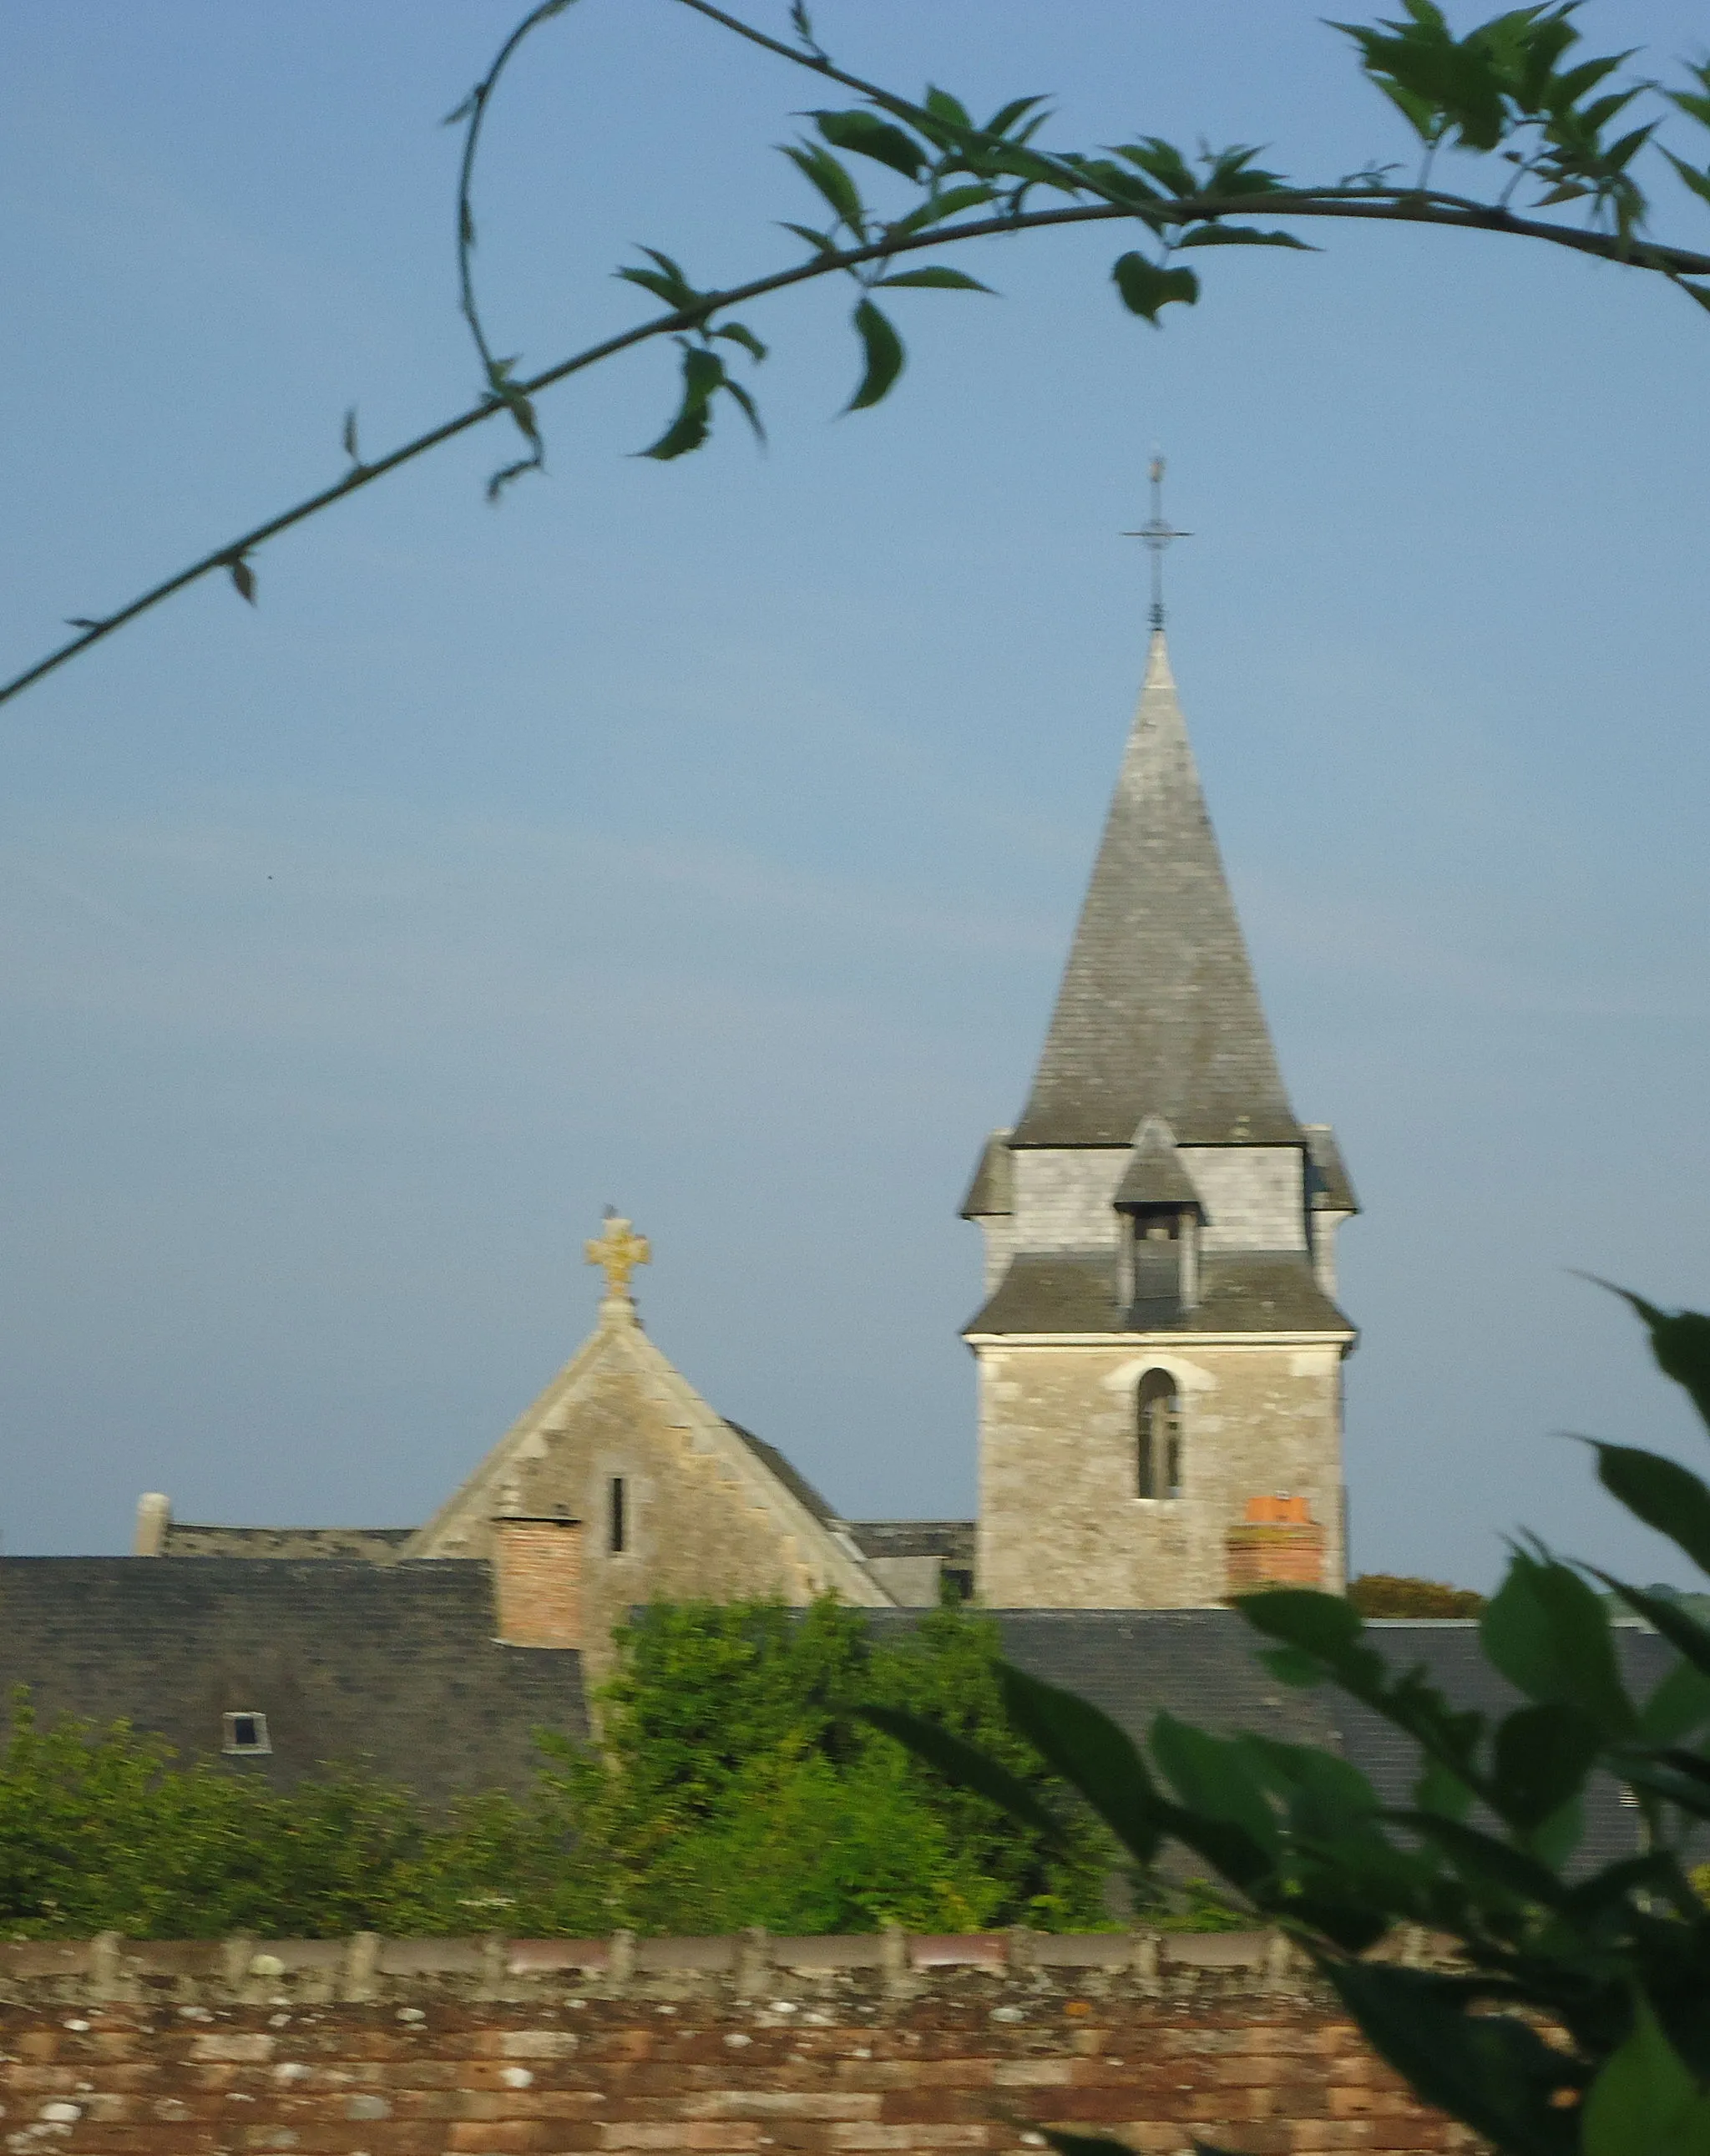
1160, 1352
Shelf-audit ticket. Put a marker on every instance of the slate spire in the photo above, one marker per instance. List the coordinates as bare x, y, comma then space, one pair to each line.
1158, 1013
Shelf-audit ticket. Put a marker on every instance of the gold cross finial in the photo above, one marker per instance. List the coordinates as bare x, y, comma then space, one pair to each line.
618, 1249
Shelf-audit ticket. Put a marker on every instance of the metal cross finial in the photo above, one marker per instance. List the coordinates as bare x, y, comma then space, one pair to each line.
1158, 532
618, 1249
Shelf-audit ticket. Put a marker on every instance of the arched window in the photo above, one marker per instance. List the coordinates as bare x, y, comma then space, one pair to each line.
1160, 1435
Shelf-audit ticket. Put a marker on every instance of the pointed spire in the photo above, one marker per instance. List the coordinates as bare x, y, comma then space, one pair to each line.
1158, 1013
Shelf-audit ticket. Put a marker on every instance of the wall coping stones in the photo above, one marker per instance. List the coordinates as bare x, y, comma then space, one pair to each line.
754, 1965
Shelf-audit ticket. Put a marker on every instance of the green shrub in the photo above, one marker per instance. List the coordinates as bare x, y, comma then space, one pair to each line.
739, 1784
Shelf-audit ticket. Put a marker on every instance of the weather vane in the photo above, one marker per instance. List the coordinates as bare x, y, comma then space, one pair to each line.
1158, 532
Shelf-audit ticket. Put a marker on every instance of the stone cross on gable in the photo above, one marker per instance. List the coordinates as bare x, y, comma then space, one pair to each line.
618, 1249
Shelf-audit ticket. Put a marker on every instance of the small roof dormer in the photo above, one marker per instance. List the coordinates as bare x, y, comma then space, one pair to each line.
1157, 1177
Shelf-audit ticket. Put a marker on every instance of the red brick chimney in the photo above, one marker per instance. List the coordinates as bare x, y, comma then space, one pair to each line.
537, 1579
1277, 1544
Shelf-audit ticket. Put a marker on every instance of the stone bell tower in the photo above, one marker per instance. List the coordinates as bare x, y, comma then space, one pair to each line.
1159, 1352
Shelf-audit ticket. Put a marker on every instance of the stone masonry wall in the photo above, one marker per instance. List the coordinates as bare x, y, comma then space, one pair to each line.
369, 2047
1061, 1523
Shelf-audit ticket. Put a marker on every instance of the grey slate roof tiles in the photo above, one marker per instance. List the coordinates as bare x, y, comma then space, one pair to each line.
1158, 1012
395, 1665
953, 1540
1328, 1178
992, 1190
1202, 1666
791, 1478
1156, 1174
1239, 1292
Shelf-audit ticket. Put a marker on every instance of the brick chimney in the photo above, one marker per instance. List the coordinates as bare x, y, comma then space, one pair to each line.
537, 1579
1277, 1544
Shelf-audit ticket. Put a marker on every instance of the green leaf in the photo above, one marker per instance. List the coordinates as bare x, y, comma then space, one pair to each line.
883, 348
665, 280
1488, 2070
1681, 1343
1645, 2102
508, 474
1548, 1635
937, 280
1145, 287
1685, 1634
1003, 119
746, 337
1214, 1777
1698, 181
1681, 1778
703, 373
1242, 235
822, 243
833, 181
951, 203
1680, 1704
966, 1765
1163, 162
243, 576
1701, 292
1321, 1624
1088, 1750
1483, 1859
1440, 1791
943, 106
1543, 1757
1553, 1841
746, 404
1609, 1888
1326, 1799
1662, 1493
867, 135
1294, 1665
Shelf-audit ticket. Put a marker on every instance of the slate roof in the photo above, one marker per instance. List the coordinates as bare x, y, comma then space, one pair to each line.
1327, 1179
396, 1664
993, 1189
1239, 1292
1448, 1649
1203, 1666
791, 1478
954, 1540
1157, 1012
1156, 1174
392, 1664
373, 1545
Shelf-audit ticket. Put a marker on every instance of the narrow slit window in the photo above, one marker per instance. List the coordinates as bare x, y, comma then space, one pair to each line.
244, 1733
1159, 1437
619, 1516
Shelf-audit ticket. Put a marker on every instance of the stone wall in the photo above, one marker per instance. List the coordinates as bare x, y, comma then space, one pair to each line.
1061, 1523
370, 2047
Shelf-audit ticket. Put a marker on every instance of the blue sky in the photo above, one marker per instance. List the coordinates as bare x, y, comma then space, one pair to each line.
706, 840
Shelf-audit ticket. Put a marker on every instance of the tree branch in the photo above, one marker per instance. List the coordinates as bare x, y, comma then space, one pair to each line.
1362, 205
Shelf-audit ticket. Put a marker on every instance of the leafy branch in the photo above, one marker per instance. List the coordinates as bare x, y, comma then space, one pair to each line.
1570, 2016
1511, 90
